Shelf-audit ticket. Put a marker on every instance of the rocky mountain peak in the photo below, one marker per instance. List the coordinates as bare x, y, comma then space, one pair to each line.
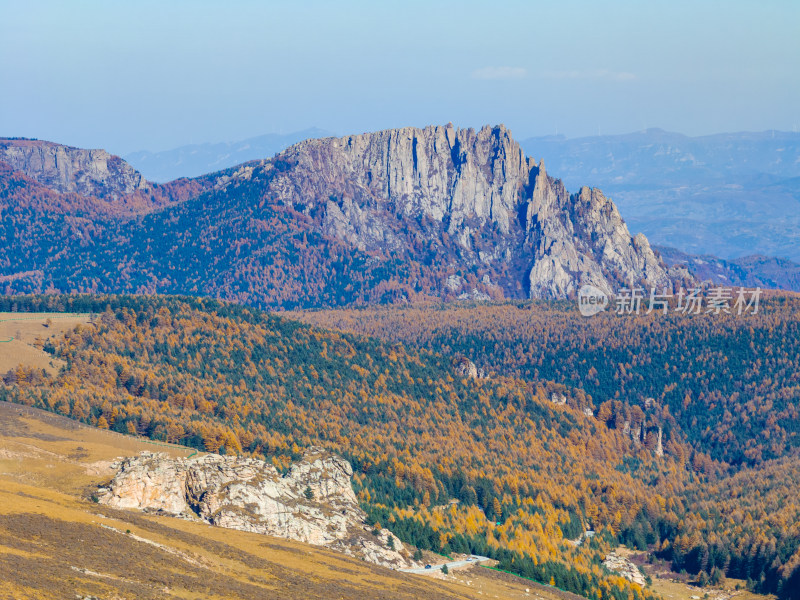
395, 215
504, 212
67, 169
440, 172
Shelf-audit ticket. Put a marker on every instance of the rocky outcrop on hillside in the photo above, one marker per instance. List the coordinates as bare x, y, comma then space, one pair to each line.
67, 169
464, 367
582, 239
313, 503
443, 173
624, 567
644, 426
465, 198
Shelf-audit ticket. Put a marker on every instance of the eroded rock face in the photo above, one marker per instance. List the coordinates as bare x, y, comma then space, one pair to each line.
622, 566
314, 503
464, 198
464, 367
67, 169
437, 172
582, 239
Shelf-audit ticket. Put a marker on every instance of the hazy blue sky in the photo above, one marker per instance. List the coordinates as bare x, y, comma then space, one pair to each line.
154, 75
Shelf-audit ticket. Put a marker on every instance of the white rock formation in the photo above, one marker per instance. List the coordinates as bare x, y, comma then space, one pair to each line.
314, 503
464, 367
622, 566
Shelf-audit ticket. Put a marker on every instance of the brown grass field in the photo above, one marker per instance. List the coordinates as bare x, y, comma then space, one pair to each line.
21, 333
56, 543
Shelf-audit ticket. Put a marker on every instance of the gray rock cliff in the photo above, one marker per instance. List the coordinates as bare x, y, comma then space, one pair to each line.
313, 503
464, 198
67, 169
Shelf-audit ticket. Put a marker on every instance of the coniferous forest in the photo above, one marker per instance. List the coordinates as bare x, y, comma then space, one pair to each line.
514, 465
377, 300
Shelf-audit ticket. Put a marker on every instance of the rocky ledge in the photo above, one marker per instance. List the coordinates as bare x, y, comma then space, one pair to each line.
67, 169
313, 503
625, 568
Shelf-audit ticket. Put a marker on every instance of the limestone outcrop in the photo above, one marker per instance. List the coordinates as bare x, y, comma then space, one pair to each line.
313, 503
464, 367
622, 566
67, 169
464, 198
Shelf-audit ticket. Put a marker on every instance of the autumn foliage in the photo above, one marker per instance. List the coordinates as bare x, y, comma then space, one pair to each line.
490, 466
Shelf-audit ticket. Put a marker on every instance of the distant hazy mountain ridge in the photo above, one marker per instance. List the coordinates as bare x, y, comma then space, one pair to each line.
198, 159
748, 271
730, 194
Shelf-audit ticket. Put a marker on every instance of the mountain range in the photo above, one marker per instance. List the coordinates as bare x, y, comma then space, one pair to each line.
396, 215
748, 271
439, 212
194, 160
729, 195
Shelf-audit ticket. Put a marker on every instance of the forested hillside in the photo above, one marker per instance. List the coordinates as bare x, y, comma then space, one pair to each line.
266, 254
510, 467
526, 474
727, 386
